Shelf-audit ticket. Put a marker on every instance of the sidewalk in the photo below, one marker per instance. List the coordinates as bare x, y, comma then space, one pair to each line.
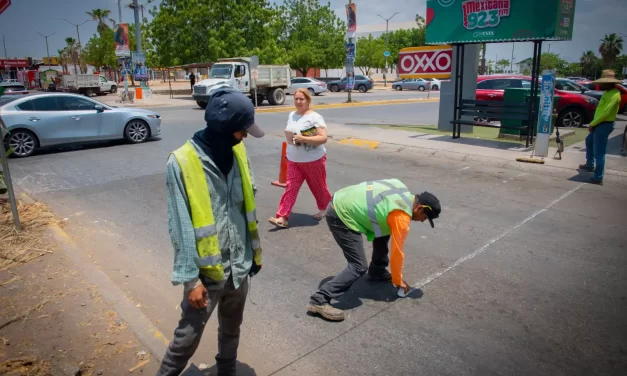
484, 152
52, 321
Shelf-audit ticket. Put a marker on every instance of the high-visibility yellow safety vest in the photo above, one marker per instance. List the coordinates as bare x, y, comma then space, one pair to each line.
203, 221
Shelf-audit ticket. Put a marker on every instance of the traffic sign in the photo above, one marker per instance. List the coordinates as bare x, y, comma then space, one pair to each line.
254, 74
254, 61
4, 4
386, 53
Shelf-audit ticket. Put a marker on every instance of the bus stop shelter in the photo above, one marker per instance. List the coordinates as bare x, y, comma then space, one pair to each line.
466, 23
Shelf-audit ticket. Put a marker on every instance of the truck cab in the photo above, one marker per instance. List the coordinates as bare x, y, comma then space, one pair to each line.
269, 83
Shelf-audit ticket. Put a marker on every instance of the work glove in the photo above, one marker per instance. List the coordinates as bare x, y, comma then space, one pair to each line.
254, 270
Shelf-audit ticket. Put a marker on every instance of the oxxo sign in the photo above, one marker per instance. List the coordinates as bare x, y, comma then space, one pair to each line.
425, 62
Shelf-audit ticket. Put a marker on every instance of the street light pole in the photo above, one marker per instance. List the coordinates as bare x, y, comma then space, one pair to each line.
350, 42
78, 34
138, 32
119, 11
387, 34
47, 50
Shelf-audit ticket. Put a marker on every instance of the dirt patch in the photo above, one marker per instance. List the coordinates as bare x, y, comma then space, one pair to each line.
52, 321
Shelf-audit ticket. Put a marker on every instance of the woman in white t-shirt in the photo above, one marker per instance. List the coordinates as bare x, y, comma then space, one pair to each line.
306, 134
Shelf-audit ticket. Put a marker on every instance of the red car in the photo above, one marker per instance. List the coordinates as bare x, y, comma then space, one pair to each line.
574, 109
621, 88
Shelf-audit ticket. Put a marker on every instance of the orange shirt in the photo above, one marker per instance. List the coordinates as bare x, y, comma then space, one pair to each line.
399, 223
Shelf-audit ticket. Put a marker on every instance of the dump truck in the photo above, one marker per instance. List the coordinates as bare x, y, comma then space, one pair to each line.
265, 81
87, 84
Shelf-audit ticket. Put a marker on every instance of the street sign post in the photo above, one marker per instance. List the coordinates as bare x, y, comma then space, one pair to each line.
545, 114
254, 73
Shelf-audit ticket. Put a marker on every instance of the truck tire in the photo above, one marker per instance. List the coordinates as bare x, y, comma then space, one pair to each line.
276, 97
89, 93
114, 89
260, 99
202, 105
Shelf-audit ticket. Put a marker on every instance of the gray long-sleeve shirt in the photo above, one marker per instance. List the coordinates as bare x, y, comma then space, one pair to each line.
227, 203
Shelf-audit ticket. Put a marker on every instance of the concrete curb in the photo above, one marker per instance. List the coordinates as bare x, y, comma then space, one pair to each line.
138, 323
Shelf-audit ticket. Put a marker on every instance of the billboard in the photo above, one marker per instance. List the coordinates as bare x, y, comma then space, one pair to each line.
140, 72
351, 18
14, 63
425, 62
121, 39
477, 21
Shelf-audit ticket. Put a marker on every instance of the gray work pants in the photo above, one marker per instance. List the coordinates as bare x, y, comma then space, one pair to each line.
230, 303
352, 245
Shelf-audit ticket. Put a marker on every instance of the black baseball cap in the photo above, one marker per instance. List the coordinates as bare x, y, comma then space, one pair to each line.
430, 205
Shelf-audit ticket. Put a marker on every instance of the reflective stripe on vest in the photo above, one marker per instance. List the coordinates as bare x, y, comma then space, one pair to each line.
205, 230
373, 201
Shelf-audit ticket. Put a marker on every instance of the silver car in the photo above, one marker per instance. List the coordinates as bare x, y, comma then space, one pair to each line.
315, 87
38, 120
412, 84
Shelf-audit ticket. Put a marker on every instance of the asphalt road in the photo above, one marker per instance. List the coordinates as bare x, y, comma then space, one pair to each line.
524, 274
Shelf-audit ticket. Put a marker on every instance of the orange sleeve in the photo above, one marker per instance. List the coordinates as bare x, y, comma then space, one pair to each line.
399, 223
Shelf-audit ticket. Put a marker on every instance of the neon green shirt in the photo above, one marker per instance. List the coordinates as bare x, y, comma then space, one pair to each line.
608, 107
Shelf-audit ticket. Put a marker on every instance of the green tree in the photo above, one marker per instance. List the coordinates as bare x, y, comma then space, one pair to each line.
619, 64
611, 46
311, 34
552, 60
63, 59
572, 69
100, 51
589, 62
503, 64
369, 54
71, 49
101, 16
189, 31
403, 38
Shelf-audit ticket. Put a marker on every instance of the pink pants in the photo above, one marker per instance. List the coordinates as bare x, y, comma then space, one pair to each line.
315, 174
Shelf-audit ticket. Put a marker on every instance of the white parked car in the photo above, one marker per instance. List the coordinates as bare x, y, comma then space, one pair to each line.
435, 83
315, 87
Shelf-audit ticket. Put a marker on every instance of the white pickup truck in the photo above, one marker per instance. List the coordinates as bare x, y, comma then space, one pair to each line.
87, 84
271, 81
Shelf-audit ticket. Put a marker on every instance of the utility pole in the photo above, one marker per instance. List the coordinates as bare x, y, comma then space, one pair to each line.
387, 34
47, 50
511, 63
138, 32
5, 47
119, 11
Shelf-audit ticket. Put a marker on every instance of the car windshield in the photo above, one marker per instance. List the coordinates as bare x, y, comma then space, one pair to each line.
221, 71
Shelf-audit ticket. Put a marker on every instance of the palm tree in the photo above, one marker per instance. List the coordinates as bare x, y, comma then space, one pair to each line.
611, 46
72, 52
589, 63
102, 16
63, 59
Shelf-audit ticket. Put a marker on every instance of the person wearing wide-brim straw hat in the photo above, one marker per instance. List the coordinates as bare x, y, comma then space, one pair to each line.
602, 126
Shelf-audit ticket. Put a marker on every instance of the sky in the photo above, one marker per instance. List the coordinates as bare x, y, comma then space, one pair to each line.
20, 23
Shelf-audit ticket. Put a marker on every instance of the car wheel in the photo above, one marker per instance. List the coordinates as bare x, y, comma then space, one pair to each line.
136, 131
23, 142
571, 117
435, 87
398, 88
202, 105
311, 91
335, 88
421, 88
362, 88
114, 89
277, 97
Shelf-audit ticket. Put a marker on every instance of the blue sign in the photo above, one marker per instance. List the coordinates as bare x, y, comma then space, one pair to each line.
545, 113
386, 53
350, 51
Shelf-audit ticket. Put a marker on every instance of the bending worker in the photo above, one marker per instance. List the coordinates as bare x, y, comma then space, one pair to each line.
212, 224
382, 210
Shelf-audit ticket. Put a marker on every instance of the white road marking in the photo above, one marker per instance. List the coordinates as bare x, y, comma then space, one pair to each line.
464, 168
472, 255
